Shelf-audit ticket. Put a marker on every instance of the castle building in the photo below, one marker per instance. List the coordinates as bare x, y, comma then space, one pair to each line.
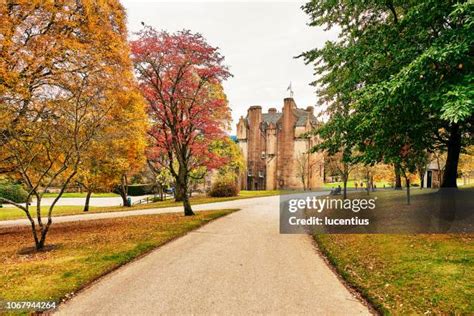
276, 149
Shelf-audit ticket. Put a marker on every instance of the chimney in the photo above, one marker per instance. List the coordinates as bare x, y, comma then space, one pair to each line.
254, 115
289, 102
272, 110
310, 110
257, 108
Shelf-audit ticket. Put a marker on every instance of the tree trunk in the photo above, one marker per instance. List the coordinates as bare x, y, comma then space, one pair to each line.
345, 188
368, 183
88, 199
123, 191
421, 174
454, 149
178, 193
161, 193
187, 206
182, 190
42, 241
123, 196
398, 178
408, 190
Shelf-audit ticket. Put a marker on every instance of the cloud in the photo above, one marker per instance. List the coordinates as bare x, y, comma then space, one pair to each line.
259, 40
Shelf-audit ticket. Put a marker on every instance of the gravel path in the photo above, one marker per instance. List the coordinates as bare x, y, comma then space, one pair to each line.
236, 265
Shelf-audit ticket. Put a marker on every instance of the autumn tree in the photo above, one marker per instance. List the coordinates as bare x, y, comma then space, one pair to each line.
342, 165
62, 65
162, 177
231, 156
180, 76
118, 150
337, 138
466, 163
383, 173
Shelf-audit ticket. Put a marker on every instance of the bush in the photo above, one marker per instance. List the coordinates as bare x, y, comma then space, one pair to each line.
224, 188
13, 192
140, 189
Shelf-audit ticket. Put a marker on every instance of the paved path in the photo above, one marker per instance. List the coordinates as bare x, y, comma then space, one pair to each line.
237, 265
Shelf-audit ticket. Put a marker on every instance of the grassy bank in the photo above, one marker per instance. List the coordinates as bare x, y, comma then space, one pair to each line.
404, 274
84, 251
407, 274
10, 212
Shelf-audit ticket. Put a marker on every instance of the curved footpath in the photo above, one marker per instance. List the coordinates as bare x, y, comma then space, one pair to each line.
239, 264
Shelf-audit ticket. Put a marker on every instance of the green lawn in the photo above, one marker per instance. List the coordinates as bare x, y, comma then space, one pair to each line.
79, 195
379, 184
11, 212
84, 251
351, 184
406, 274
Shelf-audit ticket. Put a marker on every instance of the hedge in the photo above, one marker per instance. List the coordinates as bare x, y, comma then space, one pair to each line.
140, 189
13, 192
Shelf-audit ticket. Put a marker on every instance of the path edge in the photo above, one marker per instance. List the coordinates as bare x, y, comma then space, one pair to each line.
70, 296
358, 292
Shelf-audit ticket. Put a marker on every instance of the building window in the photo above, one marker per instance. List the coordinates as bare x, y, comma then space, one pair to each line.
260, 174
263, 155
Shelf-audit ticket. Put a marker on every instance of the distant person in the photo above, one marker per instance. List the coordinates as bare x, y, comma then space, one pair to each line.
356, 184
362, 185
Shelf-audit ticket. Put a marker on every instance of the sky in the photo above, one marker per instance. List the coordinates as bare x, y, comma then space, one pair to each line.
259, 40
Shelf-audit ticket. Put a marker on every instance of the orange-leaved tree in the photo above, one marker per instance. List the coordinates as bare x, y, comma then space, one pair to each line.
62, 65
118, 150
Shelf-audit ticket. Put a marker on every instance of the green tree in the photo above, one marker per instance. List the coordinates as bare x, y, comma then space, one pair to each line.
404, 69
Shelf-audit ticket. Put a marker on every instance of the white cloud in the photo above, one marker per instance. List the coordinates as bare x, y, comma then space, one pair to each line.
258, 39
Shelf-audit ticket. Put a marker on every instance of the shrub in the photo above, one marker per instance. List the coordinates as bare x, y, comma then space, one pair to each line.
223, 188
140, 189
13, 192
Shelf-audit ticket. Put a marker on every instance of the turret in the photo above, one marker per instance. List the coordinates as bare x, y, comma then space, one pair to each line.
242, 129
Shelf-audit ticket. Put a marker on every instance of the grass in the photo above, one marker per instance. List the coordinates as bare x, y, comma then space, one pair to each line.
407, 274
84, 251
80, 195
404, 274
379, 184
351, 184
11, 212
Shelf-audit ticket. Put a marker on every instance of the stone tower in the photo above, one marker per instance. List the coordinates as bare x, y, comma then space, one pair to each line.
276, 150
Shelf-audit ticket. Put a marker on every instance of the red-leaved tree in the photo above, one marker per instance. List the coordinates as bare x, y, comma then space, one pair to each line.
180, 76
